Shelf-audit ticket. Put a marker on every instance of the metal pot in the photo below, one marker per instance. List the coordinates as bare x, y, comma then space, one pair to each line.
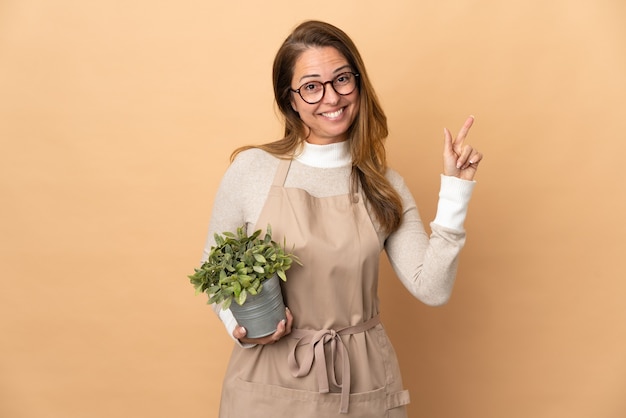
261, 313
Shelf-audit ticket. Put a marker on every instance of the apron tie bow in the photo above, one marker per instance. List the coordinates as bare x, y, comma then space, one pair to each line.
316, 341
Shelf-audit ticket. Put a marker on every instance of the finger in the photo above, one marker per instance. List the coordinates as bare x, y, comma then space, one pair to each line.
465, 128
280, 331
475, 158
239, 332
463, 160
460, 137
289, 321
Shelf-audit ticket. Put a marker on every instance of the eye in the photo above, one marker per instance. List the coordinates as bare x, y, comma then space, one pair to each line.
310, 87
343, 78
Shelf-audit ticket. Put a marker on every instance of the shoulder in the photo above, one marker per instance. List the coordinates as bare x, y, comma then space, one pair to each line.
396, 180
249, 175
255, 158
252, 164
250, 169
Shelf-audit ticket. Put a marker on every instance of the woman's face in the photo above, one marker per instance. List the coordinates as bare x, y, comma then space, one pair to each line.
330, 119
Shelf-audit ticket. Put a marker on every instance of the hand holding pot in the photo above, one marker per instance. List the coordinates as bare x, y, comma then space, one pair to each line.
284, 328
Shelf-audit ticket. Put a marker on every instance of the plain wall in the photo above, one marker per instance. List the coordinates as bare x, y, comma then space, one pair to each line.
117, 120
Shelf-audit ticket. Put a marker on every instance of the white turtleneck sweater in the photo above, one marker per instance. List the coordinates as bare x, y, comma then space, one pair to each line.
425, 264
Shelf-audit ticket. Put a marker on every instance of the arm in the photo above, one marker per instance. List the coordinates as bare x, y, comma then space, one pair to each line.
250, 175
427, 266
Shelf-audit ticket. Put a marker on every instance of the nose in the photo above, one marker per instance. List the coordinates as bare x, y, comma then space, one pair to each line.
330, 95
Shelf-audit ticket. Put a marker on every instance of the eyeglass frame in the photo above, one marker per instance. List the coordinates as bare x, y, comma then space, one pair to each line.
356, 85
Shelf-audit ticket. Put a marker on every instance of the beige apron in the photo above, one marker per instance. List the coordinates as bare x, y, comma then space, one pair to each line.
338, 361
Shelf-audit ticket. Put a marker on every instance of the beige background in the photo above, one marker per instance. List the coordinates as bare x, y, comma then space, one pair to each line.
116, 123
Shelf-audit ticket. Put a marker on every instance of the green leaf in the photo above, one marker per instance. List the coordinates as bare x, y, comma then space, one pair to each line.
245, 280
242, 297
282, 275
258, 269
260, 258
236, 289
268, 234
218, 239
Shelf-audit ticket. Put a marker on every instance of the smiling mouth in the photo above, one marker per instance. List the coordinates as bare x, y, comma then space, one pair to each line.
333, 115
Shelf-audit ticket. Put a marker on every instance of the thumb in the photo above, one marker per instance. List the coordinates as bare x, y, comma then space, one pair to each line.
447, 142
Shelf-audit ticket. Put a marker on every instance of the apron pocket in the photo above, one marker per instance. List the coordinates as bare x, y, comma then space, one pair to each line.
269, 401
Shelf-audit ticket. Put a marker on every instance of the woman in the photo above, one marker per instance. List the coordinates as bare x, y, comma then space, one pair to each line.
326, 188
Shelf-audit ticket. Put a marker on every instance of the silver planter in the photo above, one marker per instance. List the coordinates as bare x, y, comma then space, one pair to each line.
261, 313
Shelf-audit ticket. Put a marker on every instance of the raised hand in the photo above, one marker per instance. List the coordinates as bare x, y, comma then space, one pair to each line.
460, 159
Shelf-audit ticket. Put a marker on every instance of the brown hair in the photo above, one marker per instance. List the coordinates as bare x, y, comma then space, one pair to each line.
367, 134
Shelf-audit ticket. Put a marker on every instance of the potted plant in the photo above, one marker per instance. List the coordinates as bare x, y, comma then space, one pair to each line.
245, 269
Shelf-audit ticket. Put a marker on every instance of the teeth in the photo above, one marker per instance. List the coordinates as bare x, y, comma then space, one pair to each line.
333, 114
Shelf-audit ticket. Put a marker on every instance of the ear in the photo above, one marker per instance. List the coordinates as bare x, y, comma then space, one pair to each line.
293, 105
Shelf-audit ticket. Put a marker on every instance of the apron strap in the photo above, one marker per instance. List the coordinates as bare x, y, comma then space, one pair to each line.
316, 341
281, 172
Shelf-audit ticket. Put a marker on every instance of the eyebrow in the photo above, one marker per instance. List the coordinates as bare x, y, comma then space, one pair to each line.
343, 67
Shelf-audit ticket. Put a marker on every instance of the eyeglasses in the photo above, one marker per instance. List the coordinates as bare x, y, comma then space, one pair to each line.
313, 91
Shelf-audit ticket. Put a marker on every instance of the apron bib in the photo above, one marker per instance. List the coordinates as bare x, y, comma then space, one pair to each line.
338, 360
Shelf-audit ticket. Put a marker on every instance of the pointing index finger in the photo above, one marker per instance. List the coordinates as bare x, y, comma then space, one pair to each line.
465, 128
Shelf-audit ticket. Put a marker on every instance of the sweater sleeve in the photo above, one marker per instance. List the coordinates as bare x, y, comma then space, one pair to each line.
427, 265
454, 196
